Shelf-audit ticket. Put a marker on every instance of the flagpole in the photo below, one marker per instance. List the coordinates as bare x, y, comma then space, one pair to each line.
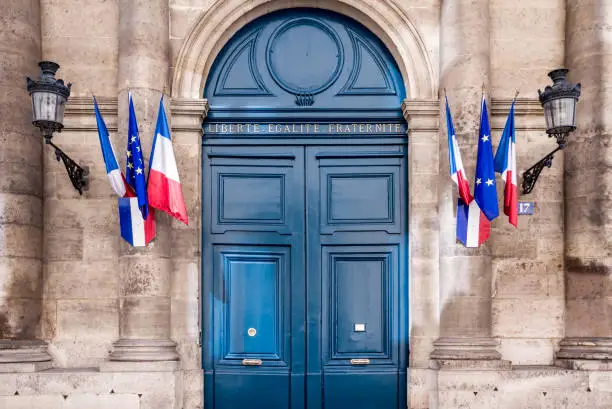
482, 99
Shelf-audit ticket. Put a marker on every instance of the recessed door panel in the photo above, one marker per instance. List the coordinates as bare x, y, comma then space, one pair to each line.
252, 189
251, 198
254, 285
359, 198
360, 191
358, 304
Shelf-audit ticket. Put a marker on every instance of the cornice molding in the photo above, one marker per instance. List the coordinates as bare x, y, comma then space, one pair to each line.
420, 106
499, 106
80, 114
425, 115
528, 111
188, 106
76, 105
523, 106
185, 114
422, 115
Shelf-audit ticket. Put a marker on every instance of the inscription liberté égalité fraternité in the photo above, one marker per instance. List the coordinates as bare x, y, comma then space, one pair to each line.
303, 128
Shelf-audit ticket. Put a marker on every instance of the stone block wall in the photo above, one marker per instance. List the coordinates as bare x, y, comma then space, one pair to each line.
75, 261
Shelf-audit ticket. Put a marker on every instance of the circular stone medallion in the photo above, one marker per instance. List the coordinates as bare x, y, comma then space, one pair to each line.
304, 56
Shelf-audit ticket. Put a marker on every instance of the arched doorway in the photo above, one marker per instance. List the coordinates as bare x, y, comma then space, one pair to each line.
304, 218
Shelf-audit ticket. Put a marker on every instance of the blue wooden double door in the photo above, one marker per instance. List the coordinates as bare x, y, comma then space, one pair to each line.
305, 277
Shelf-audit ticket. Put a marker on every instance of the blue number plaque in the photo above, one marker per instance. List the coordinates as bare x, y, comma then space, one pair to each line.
525, 207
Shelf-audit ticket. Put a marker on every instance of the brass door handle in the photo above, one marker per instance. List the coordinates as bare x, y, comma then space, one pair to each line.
360, 361
251, 362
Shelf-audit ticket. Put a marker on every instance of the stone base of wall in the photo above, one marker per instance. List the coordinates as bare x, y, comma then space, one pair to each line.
518, 388
522, 387
89, 388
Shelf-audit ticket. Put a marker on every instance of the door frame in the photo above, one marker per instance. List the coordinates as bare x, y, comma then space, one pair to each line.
401, 114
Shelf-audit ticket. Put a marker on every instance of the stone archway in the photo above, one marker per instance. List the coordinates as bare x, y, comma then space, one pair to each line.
226, 17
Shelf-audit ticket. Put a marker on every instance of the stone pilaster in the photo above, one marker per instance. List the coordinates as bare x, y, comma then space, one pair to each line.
144, 287
187, 117
465, 274
423, 118
588, 190
21, 189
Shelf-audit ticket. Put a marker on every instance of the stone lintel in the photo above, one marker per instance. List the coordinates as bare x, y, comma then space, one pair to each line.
26, 353
144, 350
582, 353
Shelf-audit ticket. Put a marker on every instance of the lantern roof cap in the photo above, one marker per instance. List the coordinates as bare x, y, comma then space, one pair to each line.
47, 81
561, 87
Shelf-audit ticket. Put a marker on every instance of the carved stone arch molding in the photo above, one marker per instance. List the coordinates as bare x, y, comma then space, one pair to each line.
225, 17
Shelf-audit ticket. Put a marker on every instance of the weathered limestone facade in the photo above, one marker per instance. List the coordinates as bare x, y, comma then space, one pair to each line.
522, 322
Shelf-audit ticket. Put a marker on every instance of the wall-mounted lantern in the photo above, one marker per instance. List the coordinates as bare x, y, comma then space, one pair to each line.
559, 103
49, 97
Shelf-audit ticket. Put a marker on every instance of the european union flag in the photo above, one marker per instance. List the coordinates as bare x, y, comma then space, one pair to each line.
485, 191
135, 169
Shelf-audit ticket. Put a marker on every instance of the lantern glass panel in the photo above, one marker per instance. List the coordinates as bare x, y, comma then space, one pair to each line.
560, 114
48, 106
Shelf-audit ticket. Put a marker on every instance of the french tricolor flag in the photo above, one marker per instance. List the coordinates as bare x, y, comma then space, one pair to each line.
134, 229
457, 171
115, 176
164, 185
505, 163
473, 227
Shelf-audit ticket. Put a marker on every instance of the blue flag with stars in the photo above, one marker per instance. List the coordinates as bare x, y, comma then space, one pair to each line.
134, 169
485, 192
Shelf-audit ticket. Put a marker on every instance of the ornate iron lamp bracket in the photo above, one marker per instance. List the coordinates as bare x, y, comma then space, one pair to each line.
559, 103
530, 176
77, 174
